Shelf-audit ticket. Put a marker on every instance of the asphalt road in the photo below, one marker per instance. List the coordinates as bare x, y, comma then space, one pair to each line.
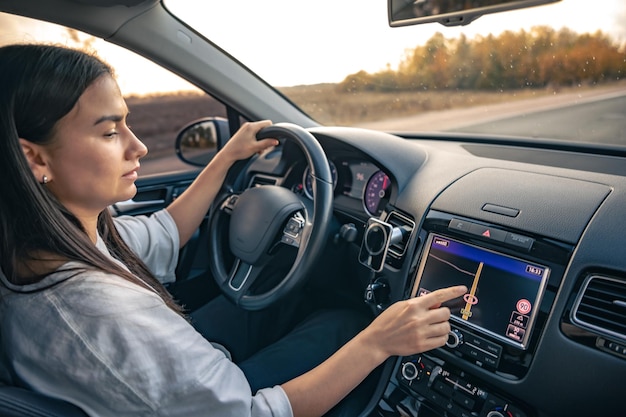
596, 121
591, 115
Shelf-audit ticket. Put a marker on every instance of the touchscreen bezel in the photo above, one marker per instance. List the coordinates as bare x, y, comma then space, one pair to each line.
523, 344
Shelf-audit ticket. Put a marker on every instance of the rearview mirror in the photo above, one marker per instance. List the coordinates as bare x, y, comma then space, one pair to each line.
450, 12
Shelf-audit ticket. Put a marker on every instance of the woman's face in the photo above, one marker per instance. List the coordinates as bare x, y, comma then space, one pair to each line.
94, 157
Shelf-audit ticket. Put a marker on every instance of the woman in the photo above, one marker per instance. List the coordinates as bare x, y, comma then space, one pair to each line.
84, 314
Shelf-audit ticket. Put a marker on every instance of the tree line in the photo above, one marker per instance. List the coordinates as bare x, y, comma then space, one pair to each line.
537, 58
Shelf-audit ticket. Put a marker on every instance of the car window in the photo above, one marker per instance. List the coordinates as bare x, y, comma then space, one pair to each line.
343, 64
160, 102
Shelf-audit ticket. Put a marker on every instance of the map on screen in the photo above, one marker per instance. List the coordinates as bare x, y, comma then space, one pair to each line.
503, 291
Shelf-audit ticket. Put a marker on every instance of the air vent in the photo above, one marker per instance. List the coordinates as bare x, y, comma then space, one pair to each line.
406, 225
259, 180
601, 306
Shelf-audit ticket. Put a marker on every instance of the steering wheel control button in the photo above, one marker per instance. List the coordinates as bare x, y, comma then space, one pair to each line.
291, 232
229, 204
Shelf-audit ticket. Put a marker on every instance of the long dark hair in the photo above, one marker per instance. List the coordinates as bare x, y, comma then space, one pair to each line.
39, 84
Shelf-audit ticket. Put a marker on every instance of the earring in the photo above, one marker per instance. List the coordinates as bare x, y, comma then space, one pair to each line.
44, 179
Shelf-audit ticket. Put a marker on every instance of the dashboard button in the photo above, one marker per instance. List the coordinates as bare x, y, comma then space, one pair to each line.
480, 355
489, 360
493, 348
477, 341
514, 411
455, 338
459, 225
436, 398
410, 371
489, 233
464, 400
452, 409
443, 388
519, 241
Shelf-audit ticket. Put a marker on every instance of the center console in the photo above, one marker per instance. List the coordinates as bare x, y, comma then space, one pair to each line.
512, 278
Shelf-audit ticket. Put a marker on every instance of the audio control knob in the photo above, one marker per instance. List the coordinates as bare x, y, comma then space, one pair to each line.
499, 412
455, 338
410, 371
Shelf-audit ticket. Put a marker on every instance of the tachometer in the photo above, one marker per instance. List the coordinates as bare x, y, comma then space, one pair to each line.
376, 194
308, 179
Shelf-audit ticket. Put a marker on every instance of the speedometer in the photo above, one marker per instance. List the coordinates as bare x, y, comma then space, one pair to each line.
376, 194
308, 179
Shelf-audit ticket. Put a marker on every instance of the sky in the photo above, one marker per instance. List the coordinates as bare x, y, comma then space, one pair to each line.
369, 43
290, 42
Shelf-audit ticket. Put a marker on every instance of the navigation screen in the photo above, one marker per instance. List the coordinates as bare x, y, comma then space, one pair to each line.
503, 292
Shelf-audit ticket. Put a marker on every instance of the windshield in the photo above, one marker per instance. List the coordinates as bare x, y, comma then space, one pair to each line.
550, 72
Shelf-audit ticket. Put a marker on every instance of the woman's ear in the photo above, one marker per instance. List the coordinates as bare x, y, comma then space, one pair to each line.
36, 160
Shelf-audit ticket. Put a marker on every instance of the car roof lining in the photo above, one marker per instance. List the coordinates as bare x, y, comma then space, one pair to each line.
102, 18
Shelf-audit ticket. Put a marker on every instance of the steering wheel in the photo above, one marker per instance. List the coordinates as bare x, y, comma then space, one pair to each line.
266, 216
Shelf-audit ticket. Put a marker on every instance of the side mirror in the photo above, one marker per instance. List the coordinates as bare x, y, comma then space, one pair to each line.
450, 12
198, 142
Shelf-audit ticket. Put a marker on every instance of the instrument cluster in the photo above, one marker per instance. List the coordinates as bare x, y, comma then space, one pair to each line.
355, 179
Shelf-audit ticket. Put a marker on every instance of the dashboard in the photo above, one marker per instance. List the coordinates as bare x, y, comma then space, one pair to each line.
360, 180
536, 236
354, 179
361, 187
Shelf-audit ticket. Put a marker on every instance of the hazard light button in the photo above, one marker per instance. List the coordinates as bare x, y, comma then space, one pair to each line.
488, 233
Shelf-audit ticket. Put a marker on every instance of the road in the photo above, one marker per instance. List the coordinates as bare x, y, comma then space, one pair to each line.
595, 115
599, 121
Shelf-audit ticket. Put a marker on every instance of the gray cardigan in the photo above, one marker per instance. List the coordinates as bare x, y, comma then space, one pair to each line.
115, 349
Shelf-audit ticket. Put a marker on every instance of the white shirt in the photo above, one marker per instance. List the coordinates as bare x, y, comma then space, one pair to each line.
114, 348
